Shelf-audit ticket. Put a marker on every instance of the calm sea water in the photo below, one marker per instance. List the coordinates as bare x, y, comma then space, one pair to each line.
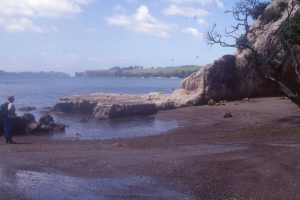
44, 91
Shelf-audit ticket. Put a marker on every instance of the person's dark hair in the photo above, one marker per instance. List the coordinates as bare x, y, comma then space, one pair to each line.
11, 98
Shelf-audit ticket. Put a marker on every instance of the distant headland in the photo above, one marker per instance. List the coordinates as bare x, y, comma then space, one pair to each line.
29, 73
140, 71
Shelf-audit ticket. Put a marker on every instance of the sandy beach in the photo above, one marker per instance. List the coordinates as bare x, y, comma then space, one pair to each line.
252, 155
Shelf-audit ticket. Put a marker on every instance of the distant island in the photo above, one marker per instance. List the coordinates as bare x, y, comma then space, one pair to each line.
29, 73
140, 71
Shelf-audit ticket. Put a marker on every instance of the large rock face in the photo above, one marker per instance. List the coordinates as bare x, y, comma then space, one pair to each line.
233, 76
225, 79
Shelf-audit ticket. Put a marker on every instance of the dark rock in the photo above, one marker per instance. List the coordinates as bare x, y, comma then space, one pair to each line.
33, 127
59, 127
29, 118
227, 115
27, 108
82, 120
27, 124
80, 107
211, 102
44, 128
46, 119
125, 110
168, 105
45, 110
117, 144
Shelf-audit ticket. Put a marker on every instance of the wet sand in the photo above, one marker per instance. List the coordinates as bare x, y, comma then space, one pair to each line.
253, 155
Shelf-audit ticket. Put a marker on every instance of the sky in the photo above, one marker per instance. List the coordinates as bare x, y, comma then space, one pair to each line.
77, 35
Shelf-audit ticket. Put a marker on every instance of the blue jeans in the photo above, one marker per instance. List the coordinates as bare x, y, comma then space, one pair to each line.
8, 123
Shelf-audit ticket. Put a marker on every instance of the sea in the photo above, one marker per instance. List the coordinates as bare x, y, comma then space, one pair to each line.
44, 91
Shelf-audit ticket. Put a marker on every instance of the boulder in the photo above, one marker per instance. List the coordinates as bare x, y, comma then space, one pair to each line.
211, 102
227, 115
27, 108
29, 118
33, 127
82, 120
59, 127
46, 119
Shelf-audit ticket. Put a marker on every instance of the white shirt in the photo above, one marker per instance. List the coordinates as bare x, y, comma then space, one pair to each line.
11, 110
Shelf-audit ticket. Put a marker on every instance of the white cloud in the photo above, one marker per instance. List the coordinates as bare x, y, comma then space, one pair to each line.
218, 3
185, 11
142, 22
40, 8
195, 33
15, 25
19, 15
20, 25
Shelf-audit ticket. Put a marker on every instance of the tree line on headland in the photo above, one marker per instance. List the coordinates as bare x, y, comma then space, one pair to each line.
140, 71
29, 73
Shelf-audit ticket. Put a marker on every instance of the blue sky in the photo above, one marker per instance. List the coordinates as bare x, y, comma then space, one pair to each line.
78, 35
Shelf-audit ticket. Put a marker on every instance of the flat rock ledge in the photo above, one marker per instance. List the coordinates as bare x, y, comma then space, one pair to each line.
109, 105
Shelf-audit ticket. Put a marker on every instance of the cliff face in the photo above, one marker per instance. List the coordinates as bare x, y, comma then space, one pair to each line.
233, 76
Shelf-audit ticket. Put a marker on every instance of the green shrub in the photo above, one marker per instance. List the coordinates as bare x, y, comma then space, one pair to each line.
290, 31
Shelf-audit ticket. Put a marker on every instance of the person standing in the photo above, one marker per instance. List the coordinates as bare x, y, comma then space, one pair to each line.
9, 119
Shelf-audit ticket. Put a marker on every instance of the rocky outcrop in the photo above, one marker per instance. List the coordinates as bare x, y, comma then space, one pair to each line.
226, 79
46, 124
105, 105
234, 76
27, 124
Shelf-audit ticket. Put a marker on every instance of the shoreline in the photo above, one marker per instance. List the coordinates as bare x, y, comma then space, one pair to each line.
249, 156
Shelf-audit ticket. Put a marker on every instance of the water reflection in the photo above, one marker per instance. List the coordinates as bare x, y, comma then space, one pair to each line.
37, 185
116, 128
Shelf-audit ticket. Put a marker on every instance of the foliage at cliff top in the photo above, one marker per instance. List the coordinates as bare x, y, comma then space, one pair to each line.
290, 31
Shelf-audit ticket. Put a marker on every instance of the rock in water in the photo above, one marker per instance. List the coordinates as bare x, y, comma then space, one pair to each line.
46, 119
211, 102
227, 115
27, 108
33, 127
29, 118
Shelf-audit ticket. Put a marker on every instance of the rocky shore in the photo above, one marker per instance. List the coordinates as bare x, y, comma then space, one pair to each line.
27, 124
248, 156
